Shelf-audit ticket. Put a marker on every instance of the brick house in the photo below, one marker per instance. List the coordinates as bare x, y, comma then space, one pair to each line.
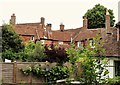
63, 37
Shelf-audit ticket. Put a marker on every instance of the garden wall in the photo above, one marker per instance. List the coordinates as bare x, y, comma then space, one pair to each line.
10, 72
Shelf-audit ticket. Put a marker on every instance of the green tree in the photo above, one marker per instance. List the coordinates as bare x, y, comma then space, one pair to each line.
11, 43
96, 16
26, 55
11, 40
39, 52
92, 63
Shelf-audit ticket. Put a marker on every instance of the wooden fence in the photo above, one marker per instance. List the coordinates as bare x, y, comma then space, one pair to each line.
10, 72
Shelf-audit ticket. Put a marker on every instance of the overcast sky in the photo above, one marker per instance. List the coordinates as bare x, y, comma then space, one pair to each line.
68, 12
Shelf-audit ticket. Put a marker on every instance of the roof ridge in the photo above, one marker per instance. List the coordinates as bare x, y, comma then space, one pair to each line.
27, 23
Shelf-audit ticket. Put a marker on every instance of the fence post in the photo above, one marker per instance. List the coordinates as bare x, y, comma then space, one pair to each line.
1, 73
14, 71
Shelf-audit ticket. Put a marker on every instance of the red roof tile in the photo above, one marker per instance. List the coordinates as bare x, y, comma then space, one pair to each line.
85, 34
29, 29
62, 36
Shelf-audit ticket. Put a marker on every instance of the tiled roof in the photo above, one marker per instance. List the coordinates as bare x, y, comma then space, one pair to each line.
111, 45
62, 35
22, 29
65, 35
29, 29
85, 34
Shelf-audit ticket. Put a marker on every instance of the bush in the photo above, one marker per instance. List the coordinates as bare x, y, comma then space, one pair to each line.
8, 54
57, 73
113, 81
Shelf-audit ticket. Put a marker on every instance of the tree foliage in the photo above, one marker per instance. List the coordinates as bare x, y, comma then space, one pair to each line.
27, 54
11, 40
92, 63
55, 54
39, 52
96, 16
11, 43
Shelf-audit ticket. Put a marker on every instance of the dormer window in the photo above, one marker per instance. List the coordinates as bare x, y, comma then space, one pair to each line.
92, 44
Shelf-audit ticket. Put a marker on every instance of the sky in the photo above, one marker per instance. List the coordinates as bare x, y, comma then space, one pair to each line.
68, 12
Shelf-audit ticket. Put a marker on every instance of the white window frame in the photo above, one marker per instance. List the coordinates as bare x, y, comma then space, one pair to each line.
60, 42
43, 42
92, 44
79, 43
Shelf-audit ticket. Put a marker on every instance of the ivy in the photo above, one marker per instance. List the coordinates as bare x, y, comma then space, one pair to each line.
26, 71
50, 75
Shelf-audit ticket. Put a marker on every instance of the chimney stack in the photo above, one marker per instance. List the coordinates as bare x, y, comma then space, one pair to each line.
85, 22
107, 22
42, 20
118, 31
62, 27
13, 19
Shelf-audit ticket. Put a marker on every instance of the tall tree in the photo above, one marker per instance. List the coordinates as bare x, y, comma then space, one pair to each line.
96, 16
88, 64
11, 40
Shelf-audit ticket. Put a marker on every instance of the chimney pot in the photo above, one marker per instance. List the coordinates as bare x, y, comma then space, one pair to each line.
13, 14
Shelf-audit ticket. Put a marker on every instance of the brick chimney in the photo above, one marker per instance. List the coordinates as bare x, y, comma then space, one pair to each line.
118, 31
13, 19
61, 27
85, 22
42, 20
107, 22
